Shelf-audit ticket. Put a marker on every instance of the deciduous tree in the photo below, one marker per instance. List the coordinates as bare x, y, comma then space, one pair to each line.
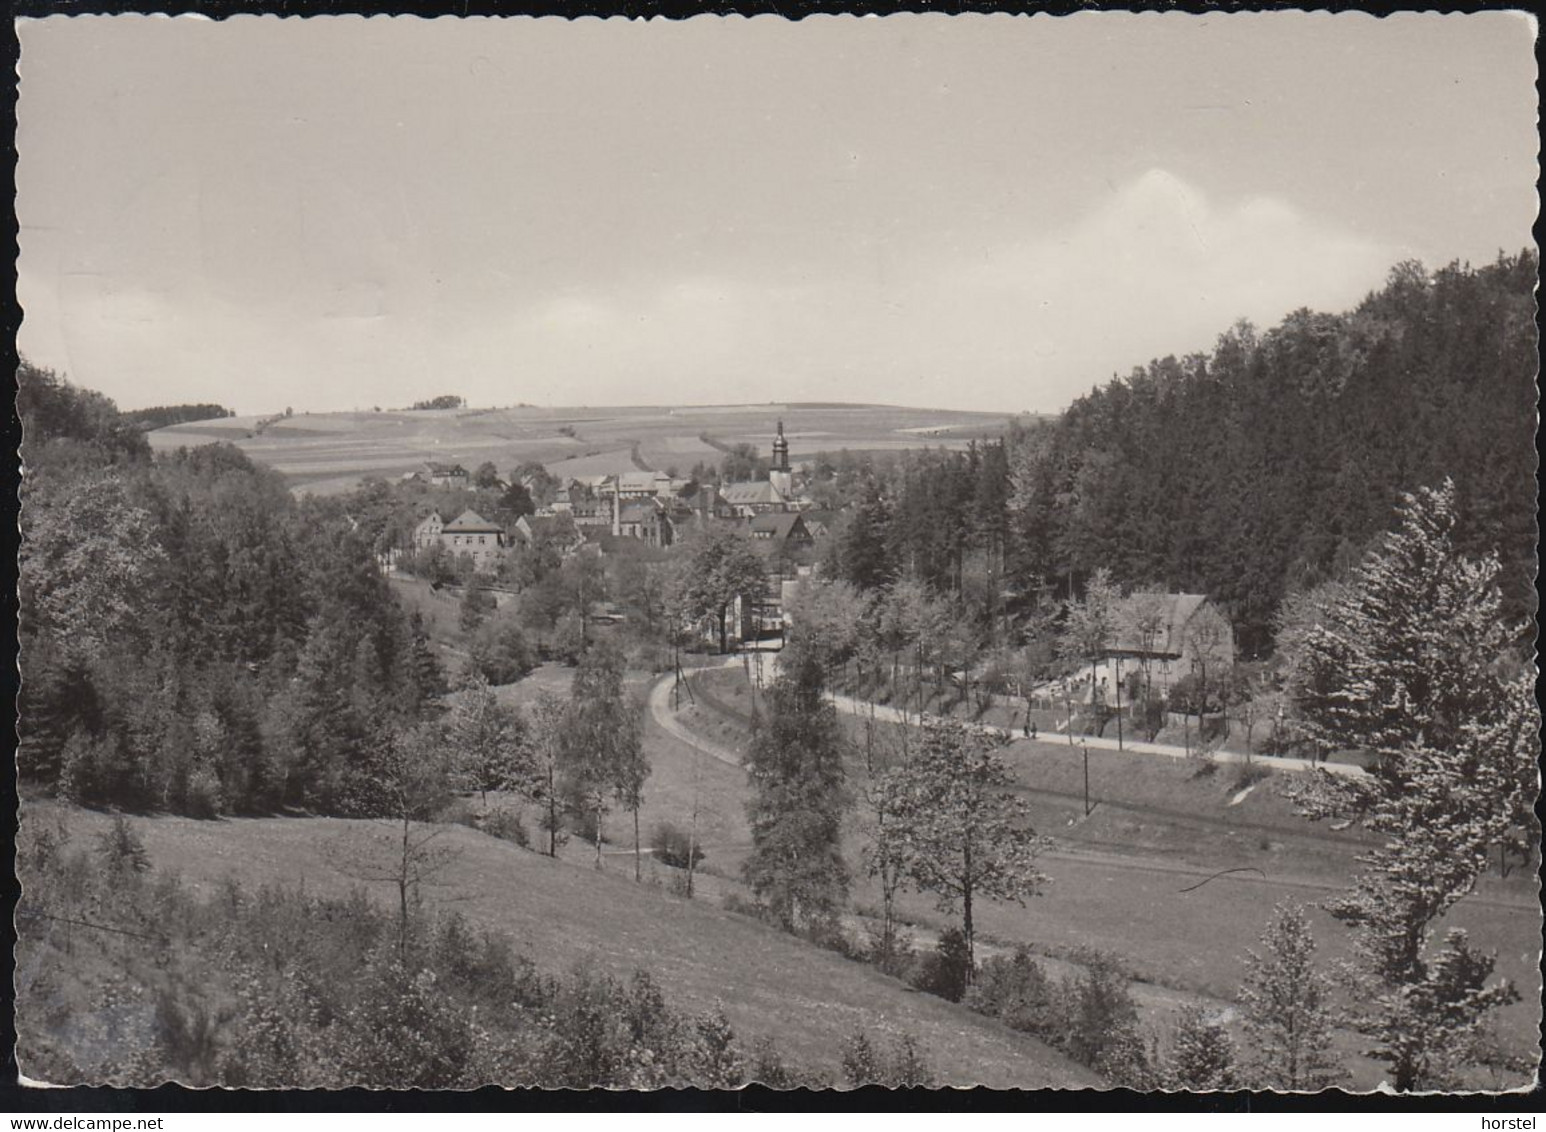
1202, 1056
970, 837
721, 569
601, 742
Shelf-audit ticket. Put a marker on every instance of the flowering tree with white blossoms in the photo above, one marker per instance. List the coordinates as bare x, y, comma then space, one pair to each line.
1412, 664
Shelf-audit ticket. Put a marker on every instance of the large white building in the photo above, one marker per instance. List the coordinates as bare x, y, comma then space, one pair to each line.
469, 533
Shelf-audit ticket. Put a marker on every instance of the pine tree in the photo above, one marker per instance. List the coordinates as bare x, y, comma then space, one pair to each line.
799, 796
1284, 1000
1412, 665
425, 677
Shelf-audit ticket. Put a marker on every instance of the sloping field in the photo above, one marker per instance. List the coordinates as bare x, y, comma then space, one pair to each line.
1168, 874
559, 912
607, 463
324, 452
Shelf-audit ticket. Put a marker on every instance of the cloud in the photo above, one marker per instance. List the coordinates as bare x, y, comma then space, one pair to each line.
992, 319
1156, 268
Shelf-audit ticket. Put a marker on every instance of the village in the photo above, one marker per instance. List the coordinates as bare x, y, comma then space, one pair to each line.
780, 522
1164, 637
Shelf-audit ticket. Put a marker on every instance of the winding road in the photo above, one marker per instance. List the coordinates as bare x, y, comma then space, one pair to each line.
662, 713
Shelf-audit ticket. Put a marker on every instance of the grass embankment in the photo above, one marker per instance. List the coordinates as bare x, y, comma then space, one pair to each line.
1050, 718
1160, 826
557, 912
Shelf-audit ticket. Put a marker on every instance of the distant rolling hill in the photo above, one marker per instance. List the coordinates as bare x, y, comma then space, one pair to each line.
329, 452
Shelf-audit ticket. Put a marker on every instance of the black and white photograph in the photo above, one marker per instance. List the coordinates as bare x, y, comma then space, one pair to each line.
736, 553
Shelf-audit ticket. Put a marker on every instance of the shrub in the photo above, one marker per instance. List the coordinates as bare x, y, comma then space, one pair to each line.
1249, 774
204, 797
651, 656
866, 1063
41, 847
122, 849
907, 1068
567, 644
945, 971
895, 958
1202, 1057
581, 822
457, 811
499, 651
672, 846
1124, 1061
768, 1068
1016, 991
735, 902
718, 1059
828, 933
98, 770
477, 603
403, 1032
507, 826
1096, 1008
861, 1061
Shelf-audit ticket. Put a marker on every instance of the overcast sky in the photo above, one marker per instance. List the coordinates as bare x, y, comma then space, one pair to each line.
978, 212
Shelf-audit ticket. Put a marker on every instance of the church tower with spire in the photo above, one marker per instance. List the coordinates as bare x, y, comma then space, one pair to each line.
779, 474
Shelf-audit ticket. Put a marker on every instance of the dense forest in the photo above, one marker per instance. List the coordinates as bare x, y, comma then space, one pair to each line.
161, 416
193, 637
1260, 469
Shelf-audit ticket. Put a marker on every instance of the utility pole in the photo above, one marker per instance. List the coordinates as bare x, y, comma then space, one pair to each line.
676, 667
692, 836
1068, 704
1118, 659
1086, 749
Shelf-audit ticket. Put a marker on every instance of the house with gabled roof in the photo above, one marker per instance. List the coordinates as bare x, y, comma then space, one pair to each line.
560, 531
444, 475
469, 533
782, 529
1166, 636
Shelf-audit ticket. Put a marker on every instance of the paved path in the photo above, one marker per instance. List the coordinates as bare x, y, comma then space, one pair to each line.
1096, 742
660, 707
660, 711
896, 715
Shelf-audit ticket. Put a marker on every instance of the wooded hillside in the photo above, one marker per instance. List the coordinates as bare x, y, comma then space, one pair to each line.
1263, 467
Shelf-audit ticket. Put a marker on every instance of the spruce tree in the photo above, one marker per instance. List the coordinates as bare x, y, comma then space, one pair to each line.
1285, 1003
1413, 666
799, 797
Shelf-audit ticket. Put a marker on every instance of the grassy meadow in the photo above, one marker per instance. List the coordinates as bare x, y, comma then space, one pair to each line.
1139, 876
559, 912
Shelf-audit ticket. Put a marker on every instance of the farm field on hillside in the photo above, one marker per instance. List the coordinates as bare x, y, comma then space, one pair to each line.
328, 452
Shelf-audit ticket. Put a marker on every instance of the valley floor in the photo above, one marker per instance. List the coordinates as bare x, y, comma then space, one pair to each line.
1173, 871
1176, 869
